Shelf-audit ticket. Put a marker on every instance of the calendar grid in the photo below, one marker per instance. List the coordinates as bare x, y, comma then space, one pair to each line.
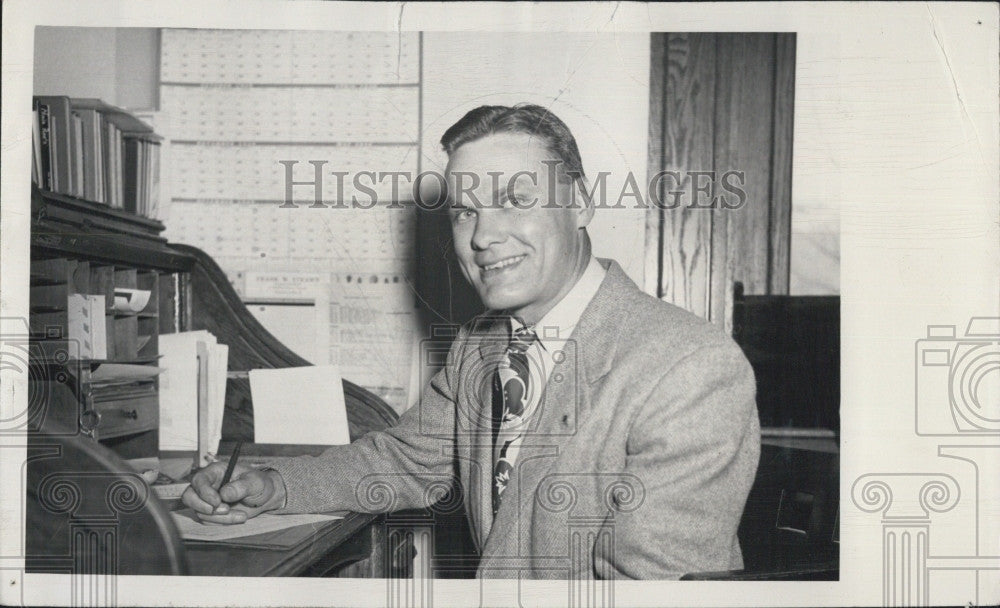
293, 85
237, 102
260, 142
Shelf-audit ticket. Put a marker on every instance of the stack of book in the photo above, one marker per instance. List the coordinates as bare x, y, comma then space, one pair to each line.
91, 150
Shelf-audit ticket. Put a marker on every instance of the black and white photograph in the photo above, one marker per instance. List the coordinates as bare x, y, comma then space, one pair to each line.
386, 304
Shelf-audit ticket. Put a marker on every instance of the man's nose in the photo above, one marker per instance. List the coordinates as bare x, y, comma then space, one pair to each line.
489, 229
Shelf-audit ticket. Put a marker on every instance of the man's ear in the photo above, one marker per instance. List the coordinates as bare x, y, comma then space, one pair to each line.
582, 204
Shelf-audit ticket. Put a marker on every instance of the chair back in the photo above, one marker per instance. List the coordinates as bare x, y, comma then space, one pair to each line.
89, 513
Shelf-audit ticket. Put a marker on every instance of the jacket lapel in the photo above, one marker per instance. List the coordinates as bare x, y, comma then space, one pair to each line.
566, 403
492, 333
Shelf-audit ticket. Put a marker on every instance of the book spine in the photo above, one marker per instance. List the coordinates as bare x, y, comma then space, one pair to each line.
96, 136
130, 174
154, 190
120, 167
61, 135
34, 146
79, 158
144, 179
46, 152
90, 149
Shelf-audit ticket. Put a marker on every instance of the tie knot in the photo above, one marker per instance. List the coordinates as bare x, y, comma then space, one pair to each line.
523, 338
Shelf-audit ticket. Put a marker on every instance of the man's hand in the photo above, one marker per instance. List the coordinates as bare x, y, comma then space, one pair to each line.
249, 493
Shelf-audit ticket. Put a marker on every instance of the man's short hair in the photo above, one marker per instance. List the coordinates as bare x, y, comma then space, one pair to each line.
522, 118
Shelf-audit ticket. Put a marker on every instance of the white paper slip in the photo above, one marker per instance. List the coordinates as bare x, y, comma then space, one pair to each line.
299, 405
191, 528
212, 365
86, 325
99, 327
208, 442
131, 300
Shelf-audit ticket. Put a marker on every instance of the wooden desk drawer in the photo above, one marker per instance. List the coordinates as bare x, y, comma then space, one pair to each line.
127, 416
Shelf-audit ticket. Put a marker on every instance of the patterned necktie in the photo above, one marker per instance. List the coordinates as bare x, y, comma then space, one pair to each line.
512, 398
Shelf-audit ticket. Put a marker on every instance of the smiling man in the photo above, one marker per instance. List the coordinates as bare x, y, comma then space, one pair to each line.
577, 408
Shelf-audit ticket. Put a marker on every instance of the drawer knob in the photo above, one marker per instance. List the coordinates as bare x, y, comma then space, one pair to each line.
133, 414
89, 420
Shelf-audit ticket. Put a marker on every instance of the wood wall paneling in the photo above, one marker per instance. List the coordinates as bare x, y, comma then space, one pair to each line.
721, 103
781, 175
653, 248
687, 134
743, 142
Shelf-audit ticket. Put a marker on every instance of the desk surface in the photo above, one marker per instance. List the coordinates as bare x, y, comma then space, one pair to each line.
338, 542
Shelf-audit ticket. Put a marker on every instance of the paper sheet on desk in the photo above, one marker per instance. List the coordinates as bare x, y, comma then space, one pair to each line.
192, 529
301, 405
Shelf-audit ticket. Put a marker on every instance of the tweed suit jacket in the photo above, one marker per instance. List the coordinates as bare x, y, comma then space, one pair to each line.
637, 465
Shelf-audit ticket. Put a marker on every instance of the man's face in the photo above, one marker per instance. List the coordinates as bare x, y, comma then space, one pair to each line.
519, 241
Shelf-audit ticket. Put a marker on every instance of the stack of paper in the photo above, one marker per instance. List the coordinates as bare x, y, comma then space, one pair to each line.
192, 393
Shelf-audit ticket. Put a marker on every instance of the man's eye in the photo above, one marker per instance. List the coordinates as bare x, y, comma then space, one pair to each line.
512, 202
464, 214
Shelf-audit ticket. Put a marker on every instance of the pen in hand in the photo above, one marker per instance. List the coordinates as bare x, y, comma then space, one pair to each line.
229, 467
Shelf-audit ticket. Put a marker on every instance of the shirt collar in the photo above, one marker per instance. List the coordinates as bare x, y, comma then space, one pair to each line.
557, 325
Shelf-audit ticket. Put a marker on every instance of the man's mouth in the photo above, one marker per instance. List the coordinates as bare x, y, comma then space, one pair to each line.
501, 265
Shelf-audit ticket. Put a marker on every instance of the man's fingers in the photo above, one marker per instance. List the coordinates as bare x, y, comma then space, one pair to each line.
205, 483
191, 498
249, 488
235, 516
